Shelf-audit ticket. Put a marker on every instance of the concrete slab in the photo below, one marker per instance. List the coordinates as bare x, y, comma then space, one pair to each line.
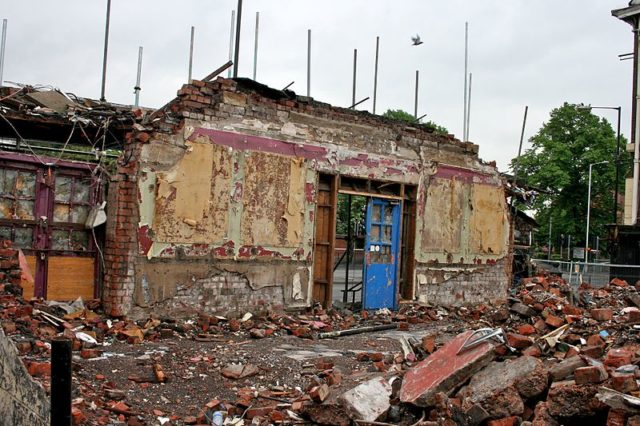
444, 370
367, 401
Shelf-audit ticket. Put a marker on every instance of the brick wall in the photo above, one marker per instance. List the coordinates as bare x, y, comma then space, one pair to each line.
464, 285
227, 294
121, 235
9, 268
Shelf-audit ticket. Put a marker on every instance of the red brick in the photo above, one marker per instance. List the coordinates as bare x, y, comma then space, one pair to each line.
533, 350
554, 321
592, 351
526, 329
590, 374
617, 282
429, 343
633, 316
602, 314
616, 418
506, 421
77, 416
518, 341
624, 382
595, 340
89, 353
618, 357
39, 369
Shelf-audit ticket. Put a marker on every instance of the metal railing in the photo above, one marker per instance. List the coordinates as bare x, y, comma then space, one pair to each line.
594, 274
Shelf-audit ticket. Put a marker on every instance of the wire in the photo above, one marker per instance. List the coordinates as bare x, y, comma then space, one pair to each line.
21, 139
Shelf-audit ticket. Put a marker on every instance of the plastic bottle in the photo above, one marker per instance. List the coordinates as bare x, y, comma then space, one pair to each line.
218, 418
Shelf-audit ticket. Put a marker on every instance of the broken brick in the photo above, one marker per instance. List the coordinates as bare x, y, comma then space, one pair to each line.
624, 382
590, 374
601, 314
518, 341
618, 357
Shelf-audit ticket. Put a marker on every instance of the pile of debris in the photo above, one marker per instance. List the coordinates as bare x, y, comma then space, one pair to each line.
550, 356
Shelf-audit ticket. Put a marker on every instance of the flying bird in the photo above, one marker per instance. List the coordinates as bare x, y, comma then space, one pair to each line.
416, 40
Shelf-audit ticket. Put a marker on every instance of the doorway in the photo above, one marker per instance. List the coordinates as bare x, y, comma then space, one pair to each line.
364, 247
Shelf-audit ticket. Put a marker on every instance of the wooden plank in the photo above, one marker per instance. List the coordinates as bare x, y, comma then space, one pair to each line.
70, 277
370, 194
28, 289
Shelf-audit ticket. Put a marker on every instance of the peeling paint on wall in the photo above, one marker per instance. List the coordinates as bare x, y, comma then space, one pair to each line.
192, 198
273, 199
487, 221
441, 225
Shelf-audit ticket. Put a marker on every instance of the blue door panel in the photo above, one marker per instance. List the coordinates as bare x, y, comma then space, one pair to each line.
381, 254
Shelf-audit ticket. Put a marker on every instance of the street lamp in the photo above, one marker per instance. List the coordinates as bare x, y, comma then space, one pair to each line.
586, 243
617, 159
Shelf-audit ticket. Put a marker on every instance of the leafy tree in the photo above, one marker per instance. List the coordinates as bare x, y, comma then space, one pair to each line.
558, 164
358, 208
398, 114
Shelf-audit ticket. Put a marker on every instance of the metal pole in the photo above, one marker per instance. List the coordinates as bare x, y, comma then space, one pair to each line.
569, 247
466, 52
524, 124
469, 105
236, 57
233, 21
61, 382
2, 48
309, 63
549, 245
636, 130
255, 49
615, 201
597, 247
355, 65
138, 88
375, 75
346, 271
415, 102
106, 48
586, 243
193, 29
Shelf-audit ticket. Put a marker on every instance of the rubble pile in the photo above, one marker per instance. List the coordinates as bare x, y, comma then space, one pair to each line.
551, 355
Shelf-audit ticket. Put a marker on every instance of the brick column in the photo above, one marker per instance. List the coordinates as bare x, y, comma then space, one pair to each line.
121, 245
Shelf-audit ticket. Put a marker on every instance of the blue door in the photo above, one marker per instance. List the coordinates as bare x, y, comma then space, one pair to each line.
381, 254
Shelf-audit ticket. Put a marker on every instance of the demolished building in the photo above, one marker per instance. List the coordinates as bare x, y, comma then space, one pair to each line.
224, 201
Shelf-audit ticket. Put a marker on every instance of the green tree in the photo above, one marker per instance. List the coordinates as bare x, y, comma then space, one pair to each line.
398, 114
558, 164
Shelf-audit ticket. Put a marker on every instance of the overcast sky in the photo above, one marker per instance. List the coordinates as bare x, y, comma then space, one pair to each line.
521, 52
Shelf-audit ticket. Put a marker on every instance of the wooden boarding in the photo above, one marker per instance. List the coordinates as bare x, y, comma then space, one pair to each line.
324, 239
28, 289
70, 277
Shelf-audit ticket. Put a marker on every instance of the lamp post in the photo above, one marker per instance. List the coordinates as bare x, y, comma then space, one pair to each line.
617, 158
586, 242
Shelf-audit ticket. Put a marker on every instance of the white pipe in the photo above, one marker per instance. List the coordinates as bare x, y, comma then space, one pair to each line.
255, 49
233, 23
2, 48
636, 148
137, 88
466, 60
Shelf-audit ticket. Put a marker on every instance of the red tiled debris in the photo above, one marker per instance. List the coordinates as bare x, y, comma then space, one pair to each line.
554, 321
443, 370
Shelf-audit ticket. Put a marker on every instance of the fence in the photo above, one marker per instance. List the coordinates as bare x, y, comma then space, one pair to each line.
594, 274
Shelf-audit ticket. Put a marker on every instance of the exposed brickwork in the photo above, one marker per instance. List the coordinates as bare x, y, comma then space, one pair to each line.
9, 266
486, 283
227, 294
121, 236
